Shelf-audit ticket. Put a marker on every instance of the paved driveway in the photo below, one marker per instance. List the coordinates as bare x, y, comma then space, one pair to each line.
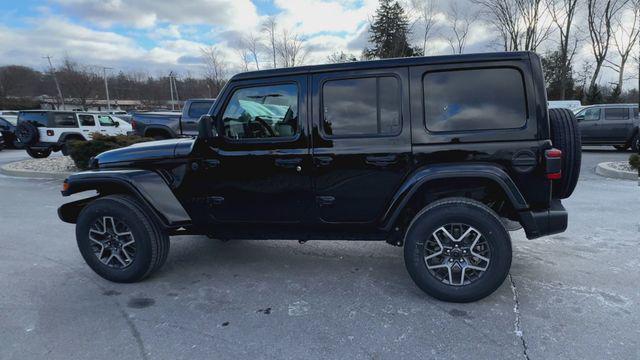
571, 296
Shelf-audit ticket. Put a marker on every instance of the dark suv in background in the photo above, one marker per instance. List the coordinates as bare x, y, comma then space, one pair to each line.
442, 155
610, 124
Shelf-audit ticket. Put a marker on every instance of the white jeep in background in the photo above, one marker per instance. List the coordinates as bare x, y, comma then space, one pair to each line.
44, 131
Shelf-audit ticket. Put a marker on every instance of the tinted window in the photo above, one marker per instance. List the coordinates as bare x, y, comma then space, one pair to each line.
616, 114
4, 123
87, 120
635, 112
262, 112
366, 106
199, 108
106, 121
481, 99
64, 120
590, 114
38, 118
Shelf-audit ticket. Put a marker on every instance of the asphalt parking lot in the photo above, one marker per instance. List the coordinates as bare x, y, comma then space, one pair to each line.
572, 296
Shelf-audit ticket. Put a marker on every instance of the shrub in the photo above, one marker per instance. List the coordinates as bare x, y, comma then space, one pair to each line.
634, 161
82, 151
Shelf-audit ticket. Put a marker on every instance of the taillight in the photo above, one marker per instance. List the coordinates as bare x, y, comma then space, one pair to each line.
553, 160
50, 133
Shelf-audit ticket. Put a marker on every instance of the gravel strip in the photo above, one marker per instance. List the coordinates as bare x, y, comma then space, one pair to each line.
621, 166
62, 164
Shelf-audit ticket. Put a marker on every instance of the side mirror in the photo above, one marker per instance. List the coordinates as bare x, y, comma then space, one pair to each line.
206, 128
116, 124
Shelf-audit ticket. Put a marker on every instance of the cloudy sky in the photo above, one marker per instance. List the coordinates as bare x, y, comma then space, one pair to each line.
157, 36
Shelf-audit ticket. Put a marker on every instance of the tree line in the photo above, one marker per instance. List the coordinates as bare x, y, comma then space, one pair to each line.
557, 28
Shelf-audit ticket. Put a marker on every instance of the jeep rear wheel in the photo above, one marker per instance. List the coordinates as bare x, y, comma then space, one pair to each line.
38, 153
635, 143
565, 136
457, 250
119, 240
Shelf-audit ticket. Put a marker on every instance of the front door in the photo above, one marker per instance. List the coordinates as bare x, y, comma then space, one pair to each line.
588, 120
362, 143
258, 169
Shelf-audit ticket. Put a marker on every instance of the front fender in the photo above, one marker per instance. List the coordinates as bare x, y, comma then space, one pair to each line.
450, 171
146, 186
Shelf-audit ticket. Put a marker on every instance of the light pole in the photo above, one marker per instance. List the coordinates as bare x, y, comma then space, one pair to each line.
55, 79
106, 86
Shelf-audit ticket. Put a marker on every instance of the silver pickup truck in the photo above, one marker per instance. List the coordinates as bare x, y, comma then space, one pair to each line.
172, 124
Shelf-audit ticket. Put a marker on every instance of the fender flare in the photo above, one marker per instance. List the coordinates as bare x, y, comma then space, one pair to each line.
65, 135
162, 128
426, 174
146, 186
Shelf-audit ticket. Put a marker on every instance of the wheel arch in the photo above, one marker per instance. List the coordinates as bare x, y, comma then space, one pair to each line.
159, 129
147, 187
461, 178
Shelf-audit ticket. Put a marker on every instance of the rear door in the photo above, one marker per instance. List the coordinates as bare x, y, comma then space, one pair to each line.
362, 142
617, 124
192, 115
88, 125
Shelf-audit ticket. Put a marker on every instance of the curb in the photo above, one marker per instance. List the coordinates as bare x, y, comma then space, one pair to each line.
5, 170
604, 169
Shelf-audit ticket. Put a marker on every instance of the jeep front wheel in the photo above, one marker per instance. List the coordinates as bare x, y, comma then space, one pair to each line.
457, 250
119, 240
38, 153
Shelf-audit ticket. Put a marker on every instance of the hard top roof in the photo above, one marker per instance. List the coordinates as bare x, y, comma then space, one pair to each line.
386, 63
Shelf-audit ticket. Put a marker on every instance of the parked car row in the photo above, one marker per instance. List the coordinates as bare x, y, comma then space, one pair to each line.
610, 124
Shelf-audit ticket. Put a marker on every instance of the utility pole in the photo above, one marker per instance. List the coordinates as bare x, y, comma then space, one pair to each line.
175, 87
55, 79
173, 107
106, 85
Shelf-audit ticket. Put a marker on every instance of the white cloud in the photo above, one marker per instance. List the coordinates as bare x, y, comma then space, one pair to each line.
234, 14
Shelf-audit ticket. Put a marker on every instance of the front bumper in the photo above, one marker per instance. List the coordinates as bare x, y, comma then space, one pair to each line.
545, 222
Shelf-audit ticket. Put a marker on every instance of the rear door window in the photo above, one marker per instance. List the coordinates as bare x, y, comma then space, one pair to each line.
361, 107
616, 114
87, 120
475, 99
199, 108
64, 120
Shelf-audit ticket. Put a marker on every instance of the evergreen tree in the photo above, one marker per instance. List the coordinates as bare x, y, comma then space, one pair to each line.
594, 95
552, 65
389, 33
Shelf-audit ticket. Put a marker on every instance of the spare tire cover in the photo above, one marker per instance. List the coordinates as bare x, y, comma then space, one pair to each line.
565, 136
27, 133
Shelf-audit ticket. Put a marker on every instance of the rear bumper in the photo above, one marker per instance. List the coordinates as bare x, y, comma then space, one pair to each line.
545, 222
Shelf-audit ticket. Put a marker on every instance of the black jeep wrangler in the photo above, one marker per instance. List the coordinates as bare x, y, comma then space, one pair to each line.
442, 155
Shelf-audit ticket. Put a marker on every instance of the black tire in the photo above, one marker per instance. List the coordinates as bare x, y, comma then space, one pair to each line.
27, 133
151, 242
458, 211
38, 153
565, 136
635, 143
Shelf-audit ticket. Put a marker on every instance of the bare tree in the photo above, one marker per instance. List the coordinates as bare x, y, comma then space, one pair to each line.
625, 39
80, 81
341, 57
245, 57
216, 67
426, 11
291, 48
600, 17
521, 23
254, 45
460, 22
270, 28
562, 13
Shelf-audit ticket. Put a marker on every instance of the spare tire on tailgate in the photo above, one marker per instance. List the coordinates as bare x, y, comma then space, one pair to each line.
27, 133
565, 136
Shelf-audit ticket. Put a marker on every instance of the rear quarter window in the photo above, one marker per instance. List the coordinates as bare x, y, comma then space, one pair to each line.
38, 118
474, 99
616, 113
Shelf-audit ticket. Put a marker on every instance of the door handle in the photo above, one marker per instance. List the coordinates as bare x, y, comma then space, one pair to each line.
381, 160
289, 163
323, 160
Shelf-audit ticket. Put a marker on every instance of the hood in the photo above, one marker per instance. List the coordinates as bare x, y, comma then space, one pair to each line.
152, 150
